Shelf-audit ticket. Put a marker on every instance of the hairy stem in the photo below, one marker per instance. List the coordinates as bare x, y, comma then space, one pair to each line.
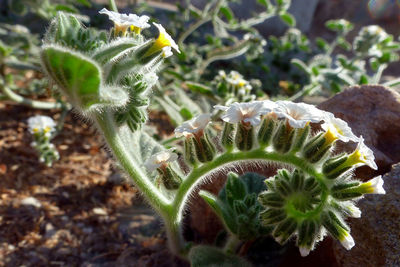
112, 136
112, 5
232, 244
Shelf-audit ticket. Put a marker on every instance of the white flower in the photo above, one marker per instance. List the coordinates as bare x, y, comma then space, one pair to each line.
363, 155
304, 251
347, 241
126, 20
41, 124
375, 186
164, 39
167, 52
193, 126
352, 210
298, 114
139, 21
249, 112
235, 78
338, 128
160, 159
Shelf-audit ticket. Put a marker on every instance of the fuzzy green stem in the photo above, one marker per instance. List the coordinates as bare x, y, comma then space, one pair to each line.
194, 178
232, 244
115, 142
112, 5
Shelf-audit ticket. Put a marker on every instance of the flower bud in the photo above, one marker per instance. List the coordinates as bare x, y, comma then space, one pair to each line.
273, 216
266, 131
228, 136
271, 200
316, 148
204, 149
170, 179
189, 151
244, 138
334, 167
307, 233
283, 138
300, 138
285, 230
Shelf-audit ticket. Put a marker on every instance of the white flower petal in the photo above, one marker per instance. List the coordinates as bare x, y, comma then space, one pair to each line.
338, 127
377, 185
298, 114
127, 20
167, 37
347, 242
249, 112
41, 124
304, 251
159, 159
193, 126
367, 155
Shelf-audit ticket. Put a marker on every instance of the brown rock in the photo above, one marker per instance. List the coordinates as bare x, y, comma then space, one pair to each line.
372, 111
377, 233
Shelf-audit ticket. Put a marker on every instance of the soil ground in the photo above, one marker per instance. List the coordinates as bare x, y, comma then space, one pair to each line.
85, 214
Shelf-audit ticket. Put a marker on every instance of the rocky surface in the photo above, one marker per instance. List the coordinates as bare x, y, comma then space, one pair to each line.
374, 112
377, 233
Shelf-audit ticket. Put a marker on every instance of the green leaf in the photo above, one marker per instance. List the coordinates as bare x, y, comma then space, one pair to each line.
208, 256
171, 110
141, 146
84, 3
301, 65
224, 212
200, 88
265, 3
227, 12
288, 19
78, 76
321, 43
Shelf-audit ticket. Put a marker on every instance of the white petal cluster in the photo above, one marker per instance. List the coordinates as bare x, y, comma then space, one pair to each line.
347, 242
159, 159
338, 127
193, 126
248, 112
376, 185
298, 114
41, 124
127, 20
366, 155
166, 38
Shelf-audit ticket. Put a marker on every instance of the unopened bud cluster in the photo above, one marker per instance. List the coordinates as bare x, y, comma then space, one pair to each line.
42, 129
100, 70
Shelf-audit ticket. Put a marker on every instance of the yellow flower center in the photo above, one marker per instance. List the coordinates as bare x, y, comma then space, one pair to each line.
161, 42
120, 29
47, 129
330, 136
135, 29
356, 157
35, 130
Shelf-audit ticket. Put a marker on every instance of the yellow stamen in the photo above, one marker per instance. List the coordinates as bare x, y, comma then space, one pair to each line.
47, 129
135, 29
35, 130
120, 29
355, 158
330, 136
161, 42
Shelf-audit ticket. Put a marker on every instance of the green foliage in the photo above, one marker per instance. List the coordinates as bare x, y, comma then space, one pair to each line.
237, 206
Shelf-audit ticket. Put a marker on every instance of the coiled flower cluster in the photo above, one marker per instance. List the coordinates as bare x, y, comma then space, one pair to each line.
317, 193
